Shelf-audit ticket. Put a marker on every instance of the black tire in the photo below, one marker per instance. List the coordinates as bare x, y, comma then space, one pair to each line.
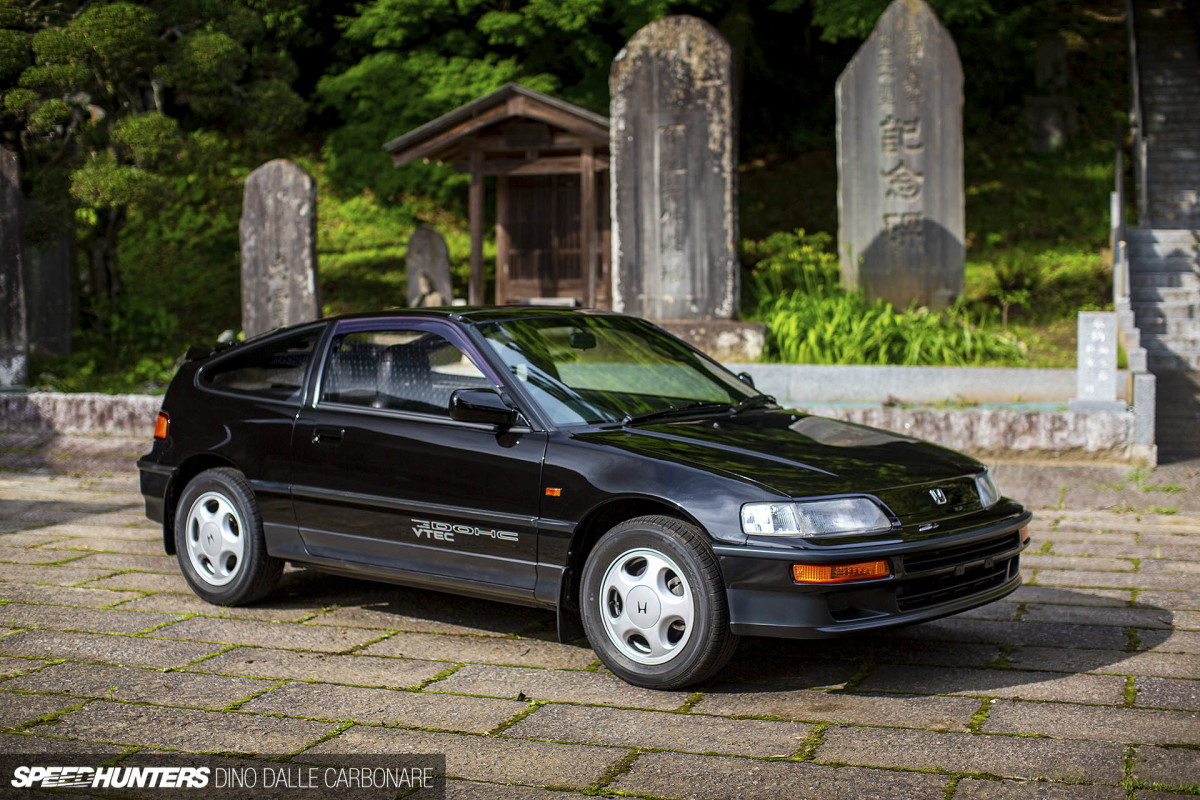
637, 586
219, 540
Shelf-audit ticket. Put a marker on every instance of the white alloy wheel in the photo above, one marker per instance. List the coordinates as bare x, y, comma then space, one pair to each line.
215, 538
647, 606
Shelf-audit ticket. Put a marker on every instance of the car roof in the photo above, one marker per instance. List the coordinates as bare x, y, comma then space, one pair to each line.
477, 314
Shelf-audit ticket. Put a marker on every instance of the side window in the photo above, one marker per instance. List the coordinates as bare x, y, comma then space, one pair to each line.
275, 370
400, 370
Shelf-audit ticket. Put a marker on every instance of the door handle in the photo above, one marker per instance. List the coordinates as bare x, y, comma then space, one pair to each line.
324, 434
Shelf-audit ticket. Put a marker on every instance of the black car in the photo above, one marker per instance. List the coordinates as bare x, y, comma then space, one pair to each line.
586, 462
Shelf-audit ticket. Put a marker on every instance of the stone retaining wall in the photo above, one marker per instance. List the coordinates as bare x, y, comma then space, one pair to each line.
104, 414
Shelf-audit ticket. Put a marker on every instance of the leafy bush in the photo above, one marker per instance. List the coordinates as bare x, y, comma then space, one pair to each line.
794, 287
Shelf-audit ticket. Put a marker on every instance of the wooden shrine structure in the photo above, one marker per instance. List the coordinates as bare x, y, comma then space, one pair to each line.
550, 159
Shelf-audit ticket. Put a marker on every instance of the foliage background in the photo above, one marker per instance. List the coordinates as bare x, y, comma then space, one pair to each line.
137, 123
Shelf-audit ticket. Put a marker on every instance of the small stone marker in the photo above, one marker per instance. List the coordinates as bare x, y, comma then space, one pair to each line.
279, 248
900, 161
1096, 373
428, 266
674, 217
1051, 115
48, 296
14, 342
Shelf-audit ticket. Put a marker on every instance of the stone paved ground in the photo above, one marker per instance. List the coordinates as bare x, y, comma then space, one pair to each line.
1084, 684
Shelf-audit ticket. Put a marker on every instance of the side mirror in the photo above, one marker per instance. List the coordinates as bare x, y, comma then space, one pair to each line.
746, 378
481, 405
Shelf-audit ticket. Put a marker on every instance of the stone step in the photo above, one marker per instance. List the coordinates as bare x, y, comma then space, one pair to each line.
1167, 294
1173, 360
1148, 255
1185, 332
1171, 215
1183, 308
1162, 235
1187, 281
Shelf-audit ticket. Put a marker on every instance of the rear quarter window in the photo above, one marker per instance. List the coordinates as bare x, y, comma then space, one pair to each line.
274, 370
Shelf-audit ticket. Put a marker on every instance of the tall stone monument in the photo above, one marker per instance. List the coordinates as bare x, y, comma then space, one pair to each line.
900, 161
427, 262
14, 342
674, 162
279, 248
48, 296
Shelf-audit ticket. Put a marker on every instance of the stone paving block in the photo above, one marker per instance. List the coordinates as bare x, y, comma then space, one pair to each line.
693, 733
18, 666
85, 528
1017, 633
1003, 756
1115, 580
1169, 766
975, 789
34, 538
1168, 693
63, 595
172, 603
57, 576
1170, 566
1013, 683
471, 790
132, 651
785, 669
721, 778
143, 582
142, 685
1103, 597
387, 707
1077, 562
145, 547
483, 758
357, 670
1109, 662
1077, 548
1176, 642
1069, 721
484, 649
39, 555
186, 729
26, 743
812, 705
1003, 612
67, 618
287, 635
1072, 533
1186, 620
1089, 615
556, 685
145, 563
18, 709
408, 610
1173, 600
1167, 538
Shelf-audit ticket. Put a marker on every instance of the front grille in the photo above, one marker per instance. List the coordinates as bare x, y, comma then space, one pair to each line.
947, 557
917, 593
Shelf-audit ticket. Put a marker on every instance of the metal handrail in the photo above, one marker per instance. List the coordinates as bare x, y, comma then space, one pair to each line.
1137, 121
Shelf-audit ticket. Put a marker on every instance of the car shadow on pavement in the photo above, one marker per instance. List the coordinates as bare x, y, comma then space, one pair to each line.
987, 650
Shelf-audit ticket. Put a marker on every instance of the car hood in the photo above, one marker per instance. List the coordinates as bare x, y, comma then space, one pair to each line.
798, 455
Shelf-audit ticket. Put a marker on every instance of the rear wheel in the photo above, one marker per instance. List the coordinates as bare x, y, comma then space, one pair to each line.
654, 606
219, 540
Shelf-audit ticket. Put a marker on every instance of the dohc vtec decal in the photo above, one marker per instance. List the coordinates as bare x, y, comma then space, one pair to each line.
446, 531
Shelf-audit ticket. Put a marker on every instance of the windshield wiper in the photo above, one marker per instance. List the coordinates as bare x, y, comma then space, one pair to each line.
694, 407
754, 402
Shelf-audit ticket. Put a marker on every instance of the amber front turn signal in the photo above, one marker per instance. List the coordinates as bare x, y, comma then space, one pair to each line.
837, 573
161, 426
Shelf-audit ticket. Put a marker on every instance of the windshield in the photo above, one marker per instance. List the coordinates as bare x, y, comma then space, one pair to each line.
608, 369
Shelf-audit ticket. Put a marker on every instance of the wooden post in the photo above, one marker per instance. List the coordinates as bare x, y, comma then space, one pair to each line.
587, 222
503, 240
475, 211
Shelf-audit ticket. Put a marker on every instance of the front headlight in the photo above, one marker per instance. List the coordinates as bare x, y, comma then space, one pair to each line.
840, 517
989, 495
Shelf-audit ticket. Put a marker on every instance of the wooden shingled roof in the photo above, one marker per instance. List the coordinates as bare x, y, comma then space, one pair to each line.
493, 123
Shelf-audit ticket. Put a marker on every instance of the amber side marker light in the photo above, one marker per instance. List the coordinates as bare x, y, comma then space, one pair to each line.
1025, 535
161, 426
837, 573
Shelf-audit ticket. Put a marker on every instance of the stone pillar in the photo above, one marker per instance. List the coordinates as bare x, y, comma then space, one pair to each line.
48, 296
427, 262
674, 164
900, 161
14, 342
279, 248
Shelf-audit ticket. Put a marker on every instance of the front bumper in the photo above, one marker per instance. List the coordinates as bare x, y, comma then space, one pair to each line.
930, 578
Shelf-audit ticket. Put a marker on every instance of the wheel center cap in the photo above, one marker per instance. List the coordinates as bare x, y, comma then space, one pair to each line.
210, 538
643, 607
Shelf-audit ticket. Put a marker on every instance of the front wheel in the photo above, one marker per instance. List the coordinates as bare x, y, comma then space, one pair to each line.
219, 540
654, 605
